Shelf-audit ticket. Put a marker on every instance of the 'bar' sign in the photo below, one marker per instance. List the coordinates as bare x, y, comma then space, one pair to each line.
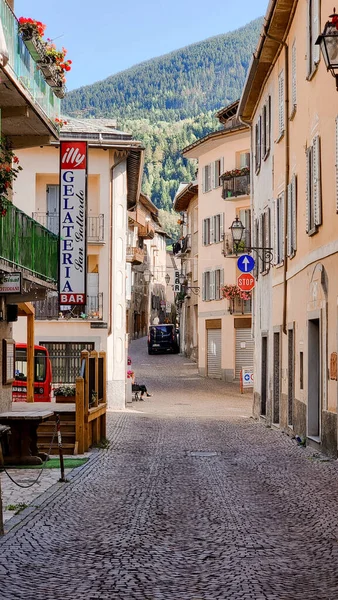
73, 211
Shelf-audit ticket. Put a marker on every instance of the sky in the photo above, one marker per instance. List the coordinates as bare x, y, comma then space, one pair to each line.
104, 37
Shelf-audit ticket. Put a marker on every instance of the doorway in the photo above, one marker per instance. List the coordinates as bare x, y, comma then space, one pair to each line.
314, 400
264, 375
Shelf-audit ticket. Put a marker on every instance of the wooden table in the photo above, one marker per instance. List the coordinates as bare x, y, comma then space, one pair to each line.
22, 443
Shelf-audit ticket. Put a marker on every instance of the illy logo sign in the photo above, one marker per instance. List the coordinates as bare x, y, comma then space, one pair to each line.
73, 158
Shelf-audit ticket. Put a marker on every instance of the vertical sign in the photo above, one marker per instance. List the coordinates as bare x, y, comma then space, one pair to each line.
73, 213
177, 285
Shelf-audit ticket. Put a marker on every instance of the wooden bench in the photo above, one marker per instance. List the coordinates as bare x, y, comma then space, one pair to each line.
22, 448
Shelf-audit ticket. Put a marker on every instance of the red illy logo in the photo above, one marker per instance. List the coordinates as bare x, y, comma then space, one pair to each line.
72, 158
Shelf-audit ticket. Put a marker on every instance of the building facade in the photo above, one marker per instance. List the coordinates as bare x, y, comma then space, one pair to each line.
291, 106
224, 325
114, 176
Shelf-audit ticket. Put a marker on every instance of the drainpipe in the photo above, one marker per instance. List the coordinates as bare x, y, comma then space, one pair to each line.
287, 175
110, 328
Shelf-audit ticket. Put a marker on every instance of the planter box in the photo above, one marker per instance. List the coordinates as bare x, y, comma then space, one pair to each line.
64, 399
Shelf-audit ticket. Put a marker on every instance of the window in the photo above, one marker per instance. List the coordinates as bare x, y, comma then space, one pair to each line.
313, 187
218, 170
245, 217
293, 79
219, 277
207, 232
266, 128
206, 178
313, 31
244, 160
195, 219
279, 230
258, 134
292, 216
212, 282
195, 268
265, 241
281, 120
218, 228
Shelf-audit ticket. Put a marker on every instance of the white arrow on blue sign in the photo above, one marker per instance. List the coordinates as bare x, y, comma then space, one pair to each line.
246, 263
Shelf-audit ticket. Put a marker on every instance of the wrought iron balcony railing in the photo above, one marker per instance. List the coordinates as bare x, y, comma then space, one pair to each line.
24, 68
182, 246
49, 309
95, 225
235, 185
25, 244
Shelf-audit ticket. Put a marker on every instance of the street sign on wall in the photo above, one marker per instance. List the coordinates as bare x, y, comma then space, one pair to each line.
246, 282
73, 231
248, 376
177, 284
10, 283
246, 263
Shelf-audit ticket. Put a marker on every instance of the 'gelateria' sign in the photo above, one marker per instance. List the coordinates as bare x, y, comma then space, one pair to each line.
73, 210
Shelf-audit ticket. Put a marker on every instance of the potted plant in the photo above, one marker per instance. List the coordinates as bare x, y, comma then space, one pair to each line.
32, 33
65, 393
9, 170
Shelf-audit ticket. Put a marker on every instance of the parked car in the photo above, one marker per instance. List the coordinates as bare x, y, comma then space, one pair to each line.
163, 338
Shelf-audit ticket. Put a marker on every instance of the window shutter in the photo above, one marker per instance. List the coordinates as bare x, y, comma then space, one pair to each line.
208, 184
293, 76
281, 102
275, 237
289, 227
213, 175
203, 180
212, 285
268, 241
261, 240
337, 164
255, 243
203, 232
308, 38
317, 196
203, 287
308, 190
282, 228
221, 283
264, 130
221, 227
315, 30
211, 225
294, 213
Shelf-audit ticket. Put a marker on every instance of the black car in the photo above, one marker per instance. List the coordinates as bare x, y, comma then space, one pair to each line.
163, 338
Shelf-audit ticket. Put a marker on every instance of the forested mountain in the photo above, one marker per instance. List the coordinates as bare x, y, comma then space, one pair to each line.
168, 102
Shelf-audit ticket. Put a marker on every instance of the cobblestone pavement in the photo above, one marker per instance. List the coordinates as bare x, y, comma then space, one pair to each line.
156, 518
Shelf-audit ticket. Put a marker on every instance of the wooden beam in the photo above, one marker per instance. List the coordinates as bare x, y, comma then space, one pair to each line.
30, 357
79, 415
11, 112
25, 308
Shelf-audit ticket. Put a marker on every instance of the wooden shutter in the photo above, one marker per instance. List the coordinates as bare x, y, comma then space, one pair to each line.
294, 213
317, 193
261, 240
203, 180
268, 123
213, 175
264, 130
309, 38
255, 240
211, 230
289, 222
308, 190
315, 30
221, 283
282, 226
203, 232
337, 164
221, 227
268, 228
275, 237
212, 285
203, 287
293, 76
281, 120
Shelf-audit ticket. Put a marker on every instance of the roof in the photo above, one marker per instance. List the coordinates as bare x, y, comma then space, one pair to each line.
147, 203
105, 127
185, 193
162, 232
212, 140
276, 25
228, 111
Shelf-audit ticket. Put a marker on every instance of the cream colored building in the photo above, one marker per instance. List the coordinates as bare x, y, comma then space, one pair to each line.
114, 178
290, 101
224, 327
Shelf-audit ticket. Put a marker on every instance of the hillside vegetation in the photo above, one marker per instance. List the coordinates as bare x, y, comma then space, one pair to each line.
169, 102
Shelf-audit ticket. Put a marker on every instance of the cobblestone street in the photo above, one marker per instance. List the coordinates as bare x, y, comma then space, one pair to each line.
156, 517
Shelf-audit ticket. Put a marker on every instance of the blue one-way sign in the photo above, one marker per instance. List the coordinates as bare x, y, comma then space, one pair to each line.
246, 263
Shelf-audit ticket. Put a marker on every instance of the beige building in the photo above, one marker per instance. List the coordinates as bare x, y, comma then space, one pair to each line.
291, 105
224, 326
114, 179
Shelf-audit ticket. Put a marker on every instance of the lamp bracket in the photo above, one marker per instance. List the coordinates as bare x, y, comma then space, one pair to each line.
264, 254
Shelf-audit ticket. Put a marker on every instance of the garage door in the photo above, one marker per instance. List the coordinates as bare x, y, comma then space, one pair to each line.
244, 350
214, 353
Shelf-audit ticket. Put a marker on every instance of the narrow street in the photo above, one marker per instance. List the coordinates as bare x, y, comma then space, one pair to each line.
155, 517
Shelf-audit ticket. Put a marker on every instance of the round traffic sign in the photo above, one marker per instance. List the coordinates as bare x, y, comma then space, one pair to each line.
246, 282
246, 263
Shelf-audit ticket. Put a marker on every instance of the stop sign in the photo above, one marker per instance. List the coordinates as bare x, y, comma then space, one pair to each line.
246, 282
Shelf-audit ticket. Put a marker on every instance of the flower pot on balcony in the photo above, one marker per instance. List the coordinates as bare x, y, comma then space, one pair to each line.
64, 399
33, 43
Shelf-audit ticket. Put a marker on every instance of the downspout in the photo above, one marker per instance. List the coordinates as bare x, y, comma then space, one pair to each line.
287, 175
110, 328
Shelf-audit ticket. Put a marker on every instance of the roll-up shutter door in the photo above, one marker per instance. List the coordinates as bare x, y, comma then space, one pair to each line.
214, 353
244, 350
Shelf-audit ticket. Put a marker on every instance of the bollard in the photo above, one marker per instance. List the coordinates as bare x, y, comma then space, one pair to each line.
58, 429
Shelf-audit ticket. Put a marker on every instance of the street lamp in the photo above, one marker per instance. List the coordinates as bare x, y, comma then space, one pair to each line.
183, 279
147, 275
328, 42
237, 229
167, 278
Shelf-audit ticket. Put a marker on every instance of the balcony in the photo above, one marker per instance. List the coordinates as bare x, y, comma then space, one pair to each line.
240, 307
146, 231
27, 245
23, 69
182, 246
95, 225
235, 184
49, 309
228, 244
135, 255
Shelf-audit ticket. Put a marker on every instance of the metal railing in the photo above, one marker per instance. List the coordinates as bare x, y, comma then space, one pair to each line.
49, 309
240, 307
95, 225
238, 185
182, 246
24, 67
26, 244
